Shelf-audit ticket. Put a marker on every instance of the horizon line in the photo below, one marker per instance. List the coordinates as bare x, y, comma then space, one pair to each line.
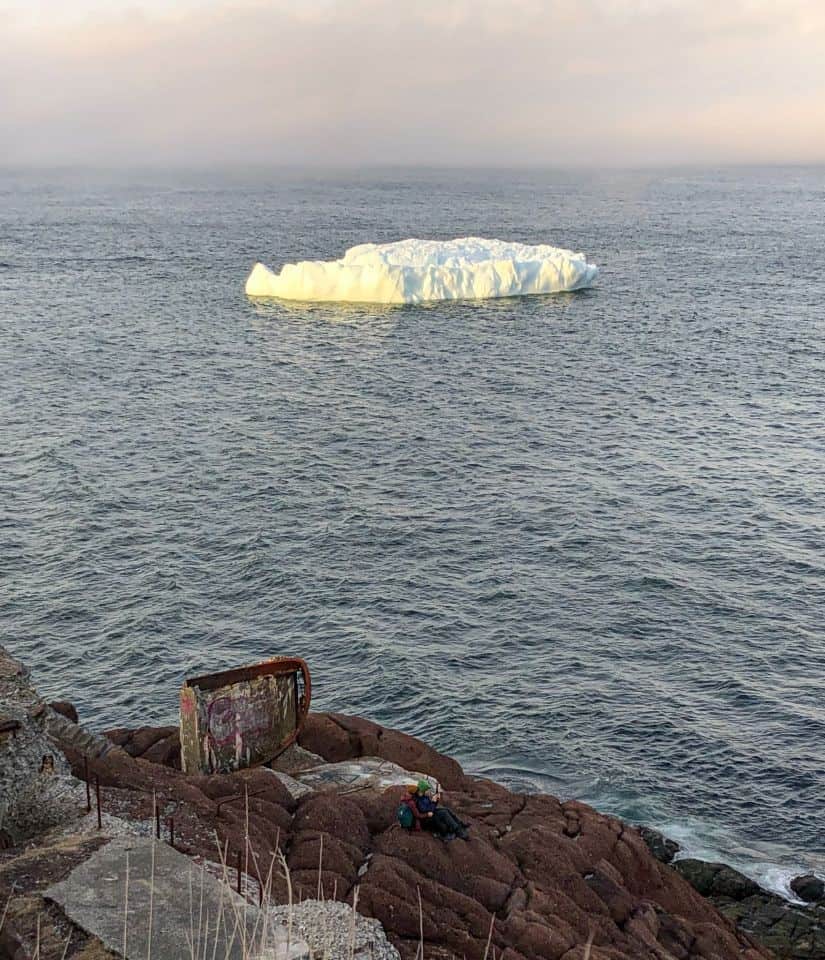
313, 166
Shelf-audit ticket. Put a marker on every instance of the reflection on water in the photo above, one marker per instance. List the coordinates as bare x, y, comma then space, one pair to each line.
367, 314
573, 540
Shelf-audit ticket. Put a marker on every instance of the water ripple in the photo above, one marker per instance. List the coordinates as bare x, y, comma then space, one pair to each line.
575, 541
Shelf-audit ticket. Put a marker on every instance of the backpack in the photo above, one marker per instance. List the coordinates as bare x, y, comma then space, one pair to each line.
405, 816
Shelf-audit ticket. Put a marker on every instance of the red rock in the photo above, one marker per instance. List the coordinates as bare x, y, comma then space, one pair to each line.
713, 941
336, 737
379, 809
334, 886
543, 855
264, 785
493, 895
165, 751
510, 954
557, 908
309, 851
65, 709
330, 740
536, 939
137, 742
675, 936
335, 815
620, 904
547, 875
455, 865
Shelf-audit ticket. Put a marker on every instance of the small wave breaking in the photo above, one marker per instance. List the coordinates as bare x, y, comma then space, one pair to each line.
415, 271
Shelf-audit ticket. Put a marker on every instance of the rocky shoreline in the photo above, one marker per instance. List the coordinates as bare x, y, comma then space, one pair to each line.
539, 878
789, 930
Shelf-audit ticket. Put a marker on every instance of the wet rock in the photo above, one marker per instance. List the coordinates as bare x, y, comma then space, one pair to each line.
790, 932
663, 848
809, 888
716, 879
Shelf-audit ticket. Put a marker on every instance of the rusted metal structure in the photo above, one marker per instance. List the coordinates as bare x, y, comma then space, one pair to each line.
244, 717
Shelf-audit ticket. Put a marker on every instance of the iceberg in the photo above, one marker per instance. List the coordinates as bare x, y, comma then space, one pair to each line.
413, 271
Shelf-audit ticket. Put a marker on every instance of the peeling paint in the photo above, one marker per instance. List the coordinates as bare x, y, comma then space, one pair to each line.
244, 717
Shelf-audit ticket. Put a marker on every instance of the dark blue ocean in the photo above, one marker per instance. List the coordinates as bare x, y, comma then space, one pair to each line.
576, 541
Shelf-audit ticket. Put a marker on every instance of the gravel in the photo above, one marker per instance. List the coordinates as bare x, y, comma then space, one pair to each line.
327, 926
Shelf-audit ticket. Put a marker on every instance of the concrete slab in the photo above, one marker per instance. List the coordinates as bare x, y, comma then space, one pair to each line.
173, 909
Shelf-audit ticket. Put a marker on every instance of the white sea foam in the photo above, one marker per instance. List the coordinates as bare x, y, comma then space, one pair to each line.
412, 271
772, 865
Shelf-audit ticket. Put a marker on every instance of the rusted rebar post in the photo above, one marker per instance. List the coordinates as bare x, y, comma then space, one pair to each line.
171, 831
88, 785
239, 871
97, 794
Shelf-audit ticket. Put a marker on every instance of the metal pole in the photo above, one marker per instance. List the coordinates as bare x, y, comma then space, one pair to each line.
239, 871
171, 831
157, 814
88, 785
97, 793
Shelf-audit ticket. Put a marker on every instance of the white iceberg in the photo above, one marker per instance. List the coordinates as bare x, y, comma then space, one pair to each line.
412, 271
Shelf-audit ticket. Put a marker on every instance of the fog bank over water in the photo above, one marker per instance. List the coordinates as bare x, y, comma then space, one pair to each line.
522, 82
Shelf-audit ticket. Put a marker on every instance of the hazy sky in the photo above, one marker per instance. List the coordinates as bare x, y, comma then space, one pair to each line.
412, 81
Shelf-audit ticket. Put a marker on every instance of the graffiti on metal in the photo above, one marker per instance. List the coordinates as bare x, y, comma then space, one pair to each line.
242, 718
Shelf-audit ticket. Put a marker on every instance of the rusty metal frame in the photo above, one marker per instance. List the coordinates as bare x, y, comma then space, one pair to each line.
276, 667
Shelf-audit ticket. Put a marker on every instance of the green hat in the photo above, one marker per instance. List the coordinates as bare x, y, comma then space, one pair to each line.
423, 786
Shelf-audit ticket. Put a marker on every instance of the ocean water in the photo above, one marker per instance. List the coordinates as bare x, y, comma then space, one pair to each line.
575, 541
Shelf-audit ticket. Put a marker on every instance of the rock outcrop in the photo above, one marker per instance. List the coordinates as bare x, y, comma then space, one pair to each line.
716, 879
538, 880
809, 888
791, 932
36, 791
662, 847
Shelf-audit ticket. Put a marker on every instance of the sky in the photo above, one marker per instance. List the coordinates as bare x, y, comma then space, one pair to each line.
362, 82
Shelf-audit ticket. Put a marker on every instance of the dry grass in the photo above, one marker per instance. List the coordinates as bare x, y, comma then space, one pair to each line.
419, 953
490, 937
6, 909
215, 937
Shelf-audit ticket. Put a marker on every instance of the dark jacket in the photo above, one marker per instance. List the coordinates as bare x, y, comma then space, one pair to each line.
410, 801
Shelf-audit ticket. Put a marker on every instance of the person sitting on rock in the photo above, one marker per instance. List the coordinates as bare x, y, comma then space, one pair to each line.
441, 820
409, 816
